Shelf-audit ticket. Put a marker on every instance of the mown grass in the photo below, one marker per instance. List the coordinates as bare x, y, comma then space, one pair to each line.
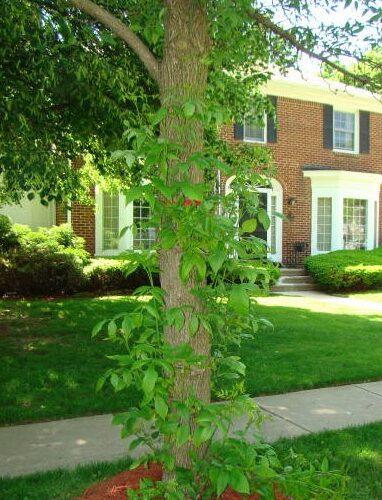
357, 451
59, 484
49, 364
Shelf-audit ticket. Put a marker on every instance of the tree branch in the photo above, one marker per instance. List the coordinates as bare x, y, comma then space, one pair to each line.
122, 31
290, 38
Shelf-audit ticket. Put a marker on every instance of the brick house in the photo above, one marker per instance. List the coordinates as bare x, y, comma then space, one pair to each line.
328, 150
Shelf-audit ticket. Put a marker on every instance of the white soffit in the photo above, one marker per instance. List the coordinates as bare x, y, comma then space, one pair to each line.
324, 91
343, 177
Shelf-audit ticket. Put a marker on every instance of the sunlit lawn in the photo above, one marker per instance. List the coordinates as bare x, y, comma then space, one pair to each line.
313, 344
356, 451
369, 296
49, 365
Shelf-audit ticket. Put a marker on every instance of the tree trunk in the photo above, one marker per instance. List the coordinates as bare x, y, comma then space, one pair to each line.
184, 77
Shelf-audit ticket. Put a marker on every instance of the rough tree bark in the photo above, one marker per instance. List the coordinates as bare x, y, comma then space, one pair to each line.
183, 77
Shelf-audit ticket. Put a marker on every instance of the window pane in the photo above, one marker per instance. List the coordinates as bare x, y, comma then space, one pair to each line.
253, 131
324, 224
344, 130
355, 223
110, 221
145, 235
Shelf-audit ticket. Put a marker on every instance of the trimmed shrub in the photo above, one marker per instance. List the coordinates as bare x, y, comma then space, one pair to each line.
44, 261
8, 236
347, 269
119, 273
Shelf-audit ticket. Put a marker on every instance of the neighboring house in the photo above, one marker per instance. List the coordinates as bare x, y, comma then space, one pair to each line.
328, 150
31, 213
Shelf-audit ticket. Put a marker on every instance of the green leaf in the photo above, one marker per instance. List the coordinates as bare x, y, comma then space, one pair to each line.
222, 482
149, 380
239, 482
100, 383
194, 324
264, 218
160, 406
188, 109
203, 434
112, 329
216, 260
239, 300
134, 193
182, 434
249, 225
159, 116
98, 327
192, 191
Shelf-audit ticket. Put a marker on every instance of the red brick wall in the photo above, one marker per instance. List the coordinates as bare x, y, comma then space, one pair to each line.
299, 144
83, 223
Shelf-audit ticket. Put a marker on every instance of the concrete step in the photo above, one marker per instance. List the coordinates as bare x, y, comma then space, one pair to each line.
295, 279
288, 271
294, 287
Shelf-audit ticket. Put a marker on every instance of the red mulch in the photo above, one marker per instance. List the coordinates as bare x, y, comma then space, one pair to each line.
115, 488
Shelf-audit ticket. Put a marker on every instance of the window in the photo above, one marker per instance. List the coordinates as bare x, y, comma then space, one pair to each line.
145, 236
344, 131
355, 223
110, 221
253, 132
324, 224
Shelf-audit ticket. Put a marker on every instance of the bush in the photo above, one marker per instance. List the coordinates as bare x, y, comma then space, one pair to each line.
43, 261
264, 274
8, 236
347, 269
119, 273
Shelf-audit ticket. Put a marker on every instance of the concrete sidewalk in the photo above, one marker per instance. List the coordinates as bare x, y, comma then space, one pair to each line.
337, 300
25, 449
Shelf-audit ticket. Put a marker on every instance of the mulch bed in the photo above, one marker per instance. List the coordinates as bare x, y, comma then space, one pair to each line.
116, 487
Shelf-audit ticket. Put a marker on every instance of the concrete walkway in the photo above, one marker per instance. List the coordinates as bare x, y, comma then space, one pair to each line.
336, 300
25, 449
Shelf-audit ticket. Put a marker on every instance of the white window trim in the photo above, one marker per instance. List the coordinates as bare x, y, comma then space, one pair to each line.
125, 219
355, 112
275, 190
256, 141
340, 184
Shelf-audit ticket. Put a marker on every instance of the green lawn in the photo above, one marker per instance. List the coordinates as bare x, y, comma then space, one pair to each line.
59, 484
49, 364
311, 348
357, 451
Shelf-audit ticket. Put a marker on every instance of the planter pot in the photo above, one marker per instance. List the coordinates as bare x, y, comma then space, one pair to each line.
116, 487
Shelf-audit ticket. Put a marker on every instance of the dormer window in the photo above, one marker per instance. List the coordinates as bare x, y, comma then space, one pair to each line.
344, 131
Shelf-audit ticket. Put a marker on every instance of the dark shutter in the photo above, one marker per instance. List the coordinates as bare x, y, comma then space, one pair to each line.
328, 126
238, 131
364, 132
271, 125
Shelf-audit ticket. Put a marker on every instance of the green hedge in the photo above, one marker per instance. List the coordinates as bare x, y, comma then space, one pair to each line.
106, 275
46, 261
347, 269
54, 261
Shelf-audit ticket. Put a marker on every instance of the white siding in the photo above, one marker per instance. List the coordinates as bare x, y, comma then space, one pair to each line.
31, 213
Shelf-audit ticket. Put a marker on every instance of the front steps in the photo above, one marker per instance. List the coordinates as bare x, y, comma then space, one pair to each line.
294, 280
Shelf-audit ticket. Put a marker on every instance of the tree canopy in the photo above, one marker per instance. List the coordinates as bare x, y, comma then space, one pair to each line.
71, 83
